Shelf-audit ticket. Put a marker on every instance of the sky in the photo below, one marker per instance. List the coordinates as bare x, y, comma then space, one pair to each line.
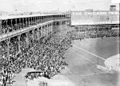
52, 5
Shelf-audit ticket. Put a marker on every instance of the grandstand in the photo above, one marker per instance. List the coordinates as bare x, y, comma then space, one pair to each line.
42, 45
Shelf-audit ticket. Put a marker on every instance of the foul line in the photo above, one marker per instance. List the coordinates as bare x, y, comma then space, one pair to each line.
85, 58
90, 53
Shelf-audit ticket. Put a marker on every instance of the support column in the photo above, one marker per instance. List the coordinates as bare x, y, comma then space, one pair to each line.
19, 50
46, 30
23, 23
11, 25
0, 27
38, 33
34, 20
16, 24
19, 23
42, 31
6, 26
30, 20
48, 26
26, 22
33, 36
27, 34
51, 28
8, 44
39, 29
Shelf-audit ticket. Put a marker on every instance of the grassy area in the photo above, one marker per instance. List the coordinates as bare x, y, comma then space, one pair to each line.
82, 66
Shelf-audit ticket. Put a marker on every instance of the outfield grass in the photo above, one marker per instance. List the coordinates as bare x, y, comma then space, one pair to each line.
82, 65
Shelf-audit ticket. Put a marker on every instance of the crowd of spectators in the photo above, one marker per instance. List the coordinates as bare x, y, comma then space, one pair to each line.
93, 33
45, 55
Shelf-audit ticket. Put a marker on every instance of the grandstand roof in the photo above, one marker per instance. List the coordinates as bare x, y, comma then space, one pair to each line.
5, 17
